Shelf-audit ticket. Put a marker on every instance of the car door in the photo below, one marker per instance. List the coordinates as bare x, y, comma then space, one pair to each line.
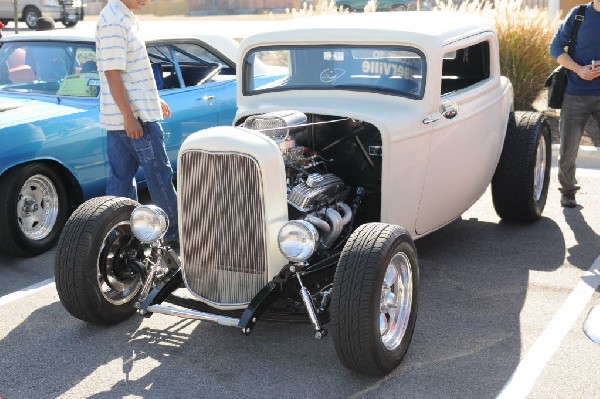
198, 85
464, 149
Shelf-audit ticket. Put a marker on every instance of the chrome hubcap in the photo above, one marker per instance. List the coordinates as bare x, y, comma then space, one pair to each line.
31, 18
118, 283
37, 207
396, 301
540, 169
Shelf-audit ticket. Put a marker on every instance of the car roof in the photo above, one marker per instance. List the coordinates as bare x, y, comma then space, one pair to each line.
421, 28
223, 44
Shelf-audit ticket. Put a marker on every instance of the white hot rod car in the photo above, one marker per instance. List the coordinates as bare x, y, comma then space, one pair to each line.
372, 131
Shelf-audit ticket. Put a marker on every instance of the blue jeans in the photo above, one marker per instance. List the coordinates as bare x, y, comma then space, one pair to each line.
126, 155
574, 115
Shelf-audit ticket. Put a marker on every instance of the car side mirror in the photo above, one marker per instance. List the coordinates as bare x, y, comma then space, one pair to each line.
448, 110
591, 325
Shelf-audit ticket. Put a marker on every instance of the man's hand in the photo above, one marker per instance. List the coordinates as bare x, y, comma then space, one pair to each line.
588, 72
133, 128
166, 111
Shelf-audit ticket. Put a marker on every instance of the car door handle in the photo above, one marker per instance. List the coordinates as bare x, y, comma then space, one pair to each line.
448, 110
207, 98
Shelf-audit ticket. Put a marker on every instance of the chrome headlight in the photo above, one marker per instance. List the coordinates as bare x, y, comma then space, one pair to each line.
149, 223
298, 240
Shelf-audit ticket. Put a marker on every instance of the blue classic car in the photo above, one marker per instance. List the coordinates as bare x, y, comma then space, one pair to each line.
53, 151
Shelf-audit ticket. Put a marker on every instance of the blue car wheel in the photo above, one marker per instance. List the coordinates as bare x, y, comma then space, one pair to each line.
34, 208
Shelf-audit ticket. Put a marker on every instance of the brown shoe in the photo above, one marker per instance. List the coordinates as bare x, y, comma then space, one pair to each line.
568, 200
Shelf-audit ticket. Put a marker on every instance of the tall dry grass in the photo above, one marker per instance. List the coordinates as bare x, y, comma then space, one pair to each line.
319, 7
524, 35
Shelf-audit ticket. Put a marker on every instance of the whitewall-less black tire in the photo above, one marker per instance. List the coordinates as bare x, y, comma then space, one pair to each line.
520, 183
94, 282
374, 301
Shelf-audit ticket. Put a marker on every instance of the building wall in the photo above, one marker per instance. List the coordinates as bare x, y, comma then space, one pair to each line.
566, 5
207, 7
199, 7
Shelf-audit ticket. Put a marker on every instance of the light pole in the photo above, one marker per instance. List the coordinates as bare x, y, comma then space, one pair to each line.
16, 15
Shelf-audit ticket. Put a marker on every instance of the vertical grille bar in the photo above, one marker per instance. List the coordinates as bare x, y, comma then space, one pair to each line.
223, 226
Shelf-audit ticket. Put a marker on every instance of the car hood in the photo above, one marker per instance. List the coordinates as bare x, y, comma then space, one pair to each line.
16, 111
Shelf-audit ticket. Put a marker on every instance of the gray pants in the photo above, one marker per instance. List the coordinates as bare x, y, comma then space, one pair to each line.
574, 115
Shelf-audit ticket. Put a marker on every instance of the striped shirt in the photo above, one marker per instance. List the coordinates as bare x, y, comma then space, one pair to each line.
119, 47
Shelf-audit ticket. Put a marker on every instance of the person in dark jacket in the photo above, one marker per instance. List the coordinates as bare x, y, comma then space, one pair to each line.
582, 93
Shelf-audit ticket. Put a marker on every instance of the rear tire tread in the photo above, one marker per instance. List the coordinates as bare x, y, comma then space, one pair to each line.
512, 184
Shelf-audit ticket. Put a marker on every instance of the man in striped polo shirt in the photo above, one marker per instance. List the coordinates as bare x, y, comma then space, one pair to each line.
129, 110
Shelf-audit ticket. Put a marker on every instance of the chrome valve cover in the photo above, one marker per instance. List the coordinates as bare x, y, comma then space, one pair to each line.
318, 189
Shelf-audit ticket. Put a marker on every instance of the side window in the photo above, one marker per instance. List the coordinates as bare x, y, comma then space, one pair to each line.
465, 67
177, 65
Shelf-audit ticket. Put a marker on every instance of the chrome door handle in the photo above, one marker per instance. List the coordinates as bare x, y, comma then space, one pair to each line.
448, 110
208, 98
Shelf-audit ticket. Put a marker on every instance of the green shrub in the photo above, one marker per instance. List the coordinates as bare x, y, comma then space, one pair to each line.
524, 34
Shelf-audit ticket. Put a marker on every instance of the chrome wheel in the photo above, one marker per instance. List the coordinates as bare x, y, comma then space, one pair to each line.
539, 173
37, 207
396, 302
117, 281
31, 19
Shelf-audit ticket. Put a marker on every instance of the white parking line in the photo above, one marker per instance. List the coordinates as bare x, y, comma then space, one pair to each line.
531, 366
6, 299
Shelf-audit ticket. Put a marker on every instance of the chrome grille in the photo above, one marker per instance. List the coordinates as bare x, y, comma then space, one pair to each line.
223, 227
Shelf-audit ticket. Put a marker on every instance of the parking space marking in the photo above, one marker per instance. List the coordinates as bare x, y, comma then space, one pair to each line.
531, 366
6, 299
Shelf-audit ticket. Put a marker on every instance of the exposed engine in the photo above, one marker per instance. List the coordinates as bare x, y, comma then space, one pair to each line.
314, 194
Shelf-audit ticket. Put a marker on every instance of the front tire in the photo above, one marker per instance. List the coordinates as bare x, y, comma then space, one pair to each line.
69, 24
374, 301
520, 183
95, 283
33, 208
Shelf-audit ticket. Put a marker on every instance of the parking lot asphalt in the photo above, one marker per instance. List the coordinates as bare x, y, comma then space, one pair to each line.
500, 315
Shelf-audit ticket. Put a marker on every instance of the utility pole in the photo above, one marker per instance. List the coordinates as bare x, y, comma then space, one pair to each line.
16, 15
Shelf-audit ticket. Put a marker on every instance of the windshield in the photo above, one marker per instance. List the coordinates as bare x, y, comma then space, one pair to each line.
66, 69
386, 69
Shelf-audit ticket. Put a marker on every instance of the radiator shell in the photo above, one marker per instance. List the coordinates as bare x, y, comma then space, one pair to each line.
232, 203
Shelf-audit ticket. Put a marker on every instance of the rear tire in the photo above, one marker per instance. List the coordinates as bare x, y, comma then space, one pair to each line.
94, 283
520, 183
374, 301
69, 24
